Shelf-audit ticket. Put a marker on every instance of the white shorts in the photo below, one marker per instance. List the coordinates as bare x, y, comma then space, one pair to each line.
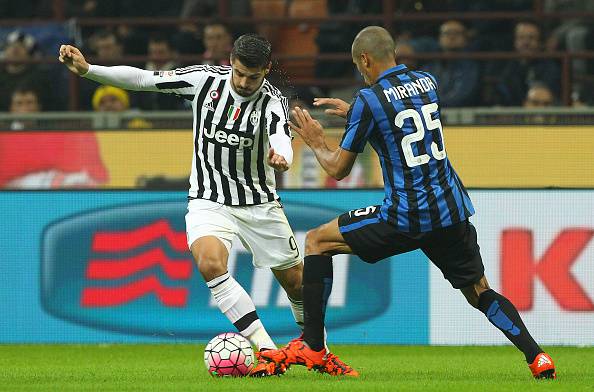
263, 229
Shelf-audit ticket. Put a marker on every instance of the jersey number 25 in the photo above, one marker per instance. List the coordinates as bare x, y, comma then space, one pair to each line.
413, 160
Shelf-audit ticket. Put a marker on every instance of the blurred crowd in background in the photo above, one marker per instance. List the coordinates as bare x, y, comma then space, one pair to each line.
529, 81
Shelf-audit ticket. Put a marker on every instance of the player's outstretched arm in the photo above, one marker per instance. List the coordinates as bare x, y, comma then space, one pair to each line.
73, 58
129, 78
337, 163
339, 107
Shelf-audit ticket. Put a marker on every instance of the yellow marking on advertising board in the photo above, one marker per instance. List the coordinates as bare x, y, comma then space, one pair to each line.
484, 157
131, 155
522, 156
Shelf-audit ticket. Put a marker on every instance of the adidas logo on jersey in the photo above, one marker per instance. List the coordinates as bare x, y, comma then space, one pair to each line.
209, 106
228, 138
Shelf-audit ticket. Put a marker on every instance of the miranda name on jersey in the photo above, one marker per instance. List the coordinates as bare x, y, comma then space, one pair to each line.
407, 90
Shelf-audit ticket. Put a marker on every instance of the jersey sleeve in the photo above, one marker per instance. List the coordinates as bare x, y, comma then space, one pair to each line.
181, 81
359, 125
278, 117
279, 133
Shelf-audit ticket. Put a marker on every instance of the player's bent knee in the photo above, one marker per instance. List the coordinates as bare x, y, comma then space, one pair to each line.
211, 268
210, 265
473, 292
211, 257
312, 242
324, 241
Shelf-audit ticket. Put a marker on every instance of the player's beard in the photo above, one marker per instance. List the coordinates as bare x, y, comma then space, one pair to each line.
244, 92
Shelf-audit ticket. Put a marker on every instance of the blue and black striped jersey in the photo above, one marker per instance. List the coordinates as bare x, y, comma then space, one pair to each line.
400, 117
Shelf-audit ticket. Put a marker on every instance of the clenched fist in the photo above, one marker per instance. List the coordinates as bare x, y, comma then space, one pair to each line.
73, 59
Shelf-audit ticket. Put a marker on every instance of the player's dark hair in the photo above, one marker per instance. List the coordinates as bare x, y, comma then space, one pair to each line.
252, 50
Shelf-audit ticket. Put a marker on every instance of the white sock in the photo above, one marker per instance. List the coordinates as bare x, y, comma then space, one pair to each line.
297, 310
239, 308
261, 339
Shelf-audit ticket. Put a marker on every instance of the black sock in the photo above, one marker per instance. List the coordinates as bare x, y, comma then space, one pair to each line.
504, 315
317, 285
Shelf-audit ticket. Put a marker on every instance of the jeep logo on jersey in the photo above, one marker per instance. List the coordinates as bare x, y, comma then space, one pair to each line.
127, 268
228, 138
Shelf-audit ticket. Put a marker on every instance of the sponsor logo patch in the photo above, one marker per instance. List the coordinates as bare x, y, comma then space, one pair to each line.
209, 106
255, 117
228, 138
233, 112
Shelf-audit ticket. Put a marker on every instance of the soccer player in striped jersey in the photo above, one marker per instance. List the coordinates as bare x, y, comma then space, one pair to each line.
241, 135
425, 207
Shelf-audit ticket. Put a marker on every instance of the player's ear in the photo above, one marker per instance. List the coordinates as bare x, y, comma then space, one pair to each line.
268, 67
365, 59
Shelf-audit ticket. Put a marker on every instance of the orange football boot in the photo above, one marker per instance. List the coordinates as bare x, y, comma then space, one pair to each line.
543, 367
265, 368
296, 353
336, 367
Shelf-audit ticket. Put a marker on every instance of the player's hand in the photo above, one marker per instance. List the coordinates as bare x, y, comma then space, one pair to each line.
278, 162
340, 107
307, 127
73, 59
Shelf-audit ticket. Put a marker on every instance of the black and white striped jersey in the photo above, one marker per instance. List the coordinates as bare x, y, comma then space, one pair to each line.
231, 134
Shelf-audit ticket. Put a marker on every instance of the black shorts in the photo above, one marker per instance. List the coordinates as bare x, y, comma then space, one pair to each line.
453, 249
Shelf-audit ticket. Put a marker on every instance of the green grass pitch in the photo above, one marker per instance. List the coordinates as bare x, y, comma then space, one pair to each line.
179, 367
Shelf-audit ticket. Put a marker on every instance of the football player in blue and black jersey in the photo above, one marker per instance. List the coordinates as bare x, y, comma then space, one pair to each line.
425, 206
